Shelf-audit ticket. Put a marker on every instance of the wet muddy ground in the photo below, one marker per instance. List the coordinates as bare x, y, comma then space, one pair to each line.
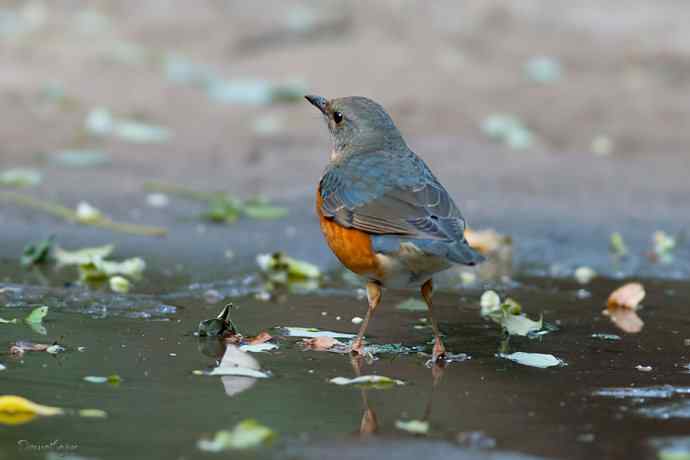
487, 404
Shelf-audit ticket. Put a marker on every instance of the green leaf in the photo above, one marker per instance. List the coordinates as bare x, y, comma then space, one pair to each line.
247, 434
82, 256
413, 426
36, 253
20, 177
533, 359
264, 211
278, 262
37, 315
370, 381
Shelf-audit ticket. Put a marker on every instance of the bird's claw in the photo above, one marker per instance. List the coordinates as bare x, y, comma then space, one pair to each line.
357, 348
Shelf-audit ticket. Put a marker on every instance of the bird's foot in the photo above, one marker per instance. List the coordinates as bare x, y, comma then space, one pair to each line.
438, 355
357, 348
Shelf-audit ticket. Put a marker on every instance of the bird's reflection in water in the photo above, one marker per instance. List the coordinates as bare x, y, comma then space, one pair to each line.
369, 424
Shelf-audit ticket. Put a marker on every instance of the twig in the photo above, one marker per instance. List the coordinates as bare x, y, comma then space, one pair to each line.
70, 215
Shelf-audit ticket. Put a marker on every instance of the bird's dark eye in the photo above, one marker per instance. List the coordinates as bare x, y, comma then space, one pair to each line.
337, 117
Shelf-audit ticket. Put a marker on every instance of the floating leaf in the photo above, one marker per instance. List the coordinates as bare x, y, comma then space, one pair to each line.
373, 381
22, 346
112, 379
93, 413
325, 344
508, 314
20, 178
311, 332
259, 347
55, 349
622, 305
413, 426
247, 434
8, 321
37, 315
36, 253
234, 370
15, 410
533, 359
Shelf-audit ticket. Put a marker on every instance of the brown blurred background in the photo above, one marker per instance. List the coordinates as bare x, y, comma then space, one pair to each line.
599, 91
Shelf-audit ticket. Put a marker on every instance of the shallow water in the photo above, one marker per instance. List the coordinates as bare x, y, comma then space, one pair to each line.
161, 410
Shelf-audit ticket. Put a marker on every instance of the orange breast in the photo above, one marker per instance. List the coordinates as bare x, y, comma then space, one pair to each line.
351, 246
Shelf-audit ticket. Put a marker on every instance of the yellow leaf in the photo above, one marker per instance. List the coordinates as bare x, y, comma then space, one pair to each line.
15, 410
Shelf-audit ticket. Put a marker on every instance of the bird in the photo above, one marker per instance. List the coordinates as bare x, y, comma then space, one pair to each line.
382, 211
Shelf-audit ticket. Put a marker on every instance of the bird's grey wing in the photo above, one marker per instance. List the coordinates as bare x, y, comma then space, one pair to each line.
390, 194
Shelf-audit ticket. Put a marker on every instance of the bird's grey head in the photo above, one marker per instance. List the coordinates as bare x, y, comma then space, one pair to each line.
358, 124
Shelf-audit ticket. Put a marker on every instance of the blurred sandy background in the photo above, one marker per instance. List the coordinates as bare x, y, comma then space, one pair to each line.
606, 108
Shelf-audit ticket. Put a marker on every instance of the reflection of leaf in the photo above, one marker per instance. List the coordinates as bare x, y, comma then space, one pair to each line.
237, 371
246, 435
37, 315
533, 359
412, 305
413, 426
325, 344
38, 328
622, 305
372, 381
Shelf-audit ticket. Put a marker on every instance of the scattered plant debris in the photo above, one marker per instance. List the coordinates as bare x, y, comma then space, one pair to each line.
418, 427
222, 207
20, 178
622, 307
70, 215
37, 253
533, 359
368, 381
247, 434
508, 314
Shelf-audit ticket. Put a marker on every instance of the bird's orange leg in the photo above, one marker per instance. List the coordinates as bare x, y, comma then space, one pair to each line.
439, 352
374, 297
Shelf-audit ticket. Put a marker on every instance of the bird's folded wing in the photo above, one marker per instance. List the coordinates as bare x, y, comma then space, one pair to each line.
390, 196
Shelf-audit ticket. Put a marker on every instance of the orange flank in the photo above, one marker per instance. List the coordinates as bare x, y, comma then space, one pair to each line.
350, 245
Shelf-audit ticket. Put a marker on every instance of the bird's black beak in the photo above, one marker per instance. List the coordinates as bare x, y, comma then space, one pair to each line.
317, 101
